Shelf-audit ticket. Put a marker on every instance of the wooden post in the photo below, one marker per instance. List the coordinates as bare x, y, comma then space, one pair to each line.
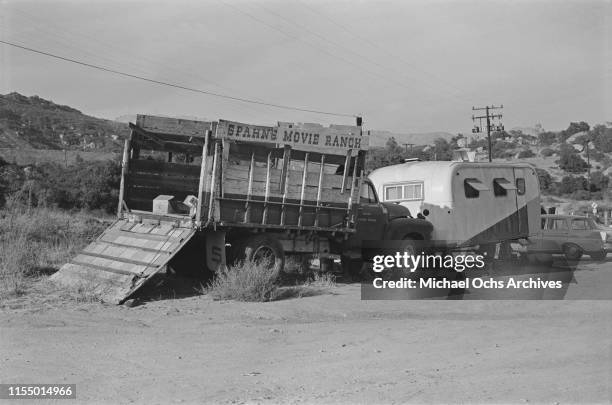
347, 163
350, 201
247, 205
303, 191
284, 181
124, 169
267, 192
213, 182
321, 174
202, 174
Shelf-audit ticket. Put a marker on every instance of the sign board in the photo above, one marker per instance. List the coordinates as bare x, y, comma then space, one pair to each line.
312, 137
172, 126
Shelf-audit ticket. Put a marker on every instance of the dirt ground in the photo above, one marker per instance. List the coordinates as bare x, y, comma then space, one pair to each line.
328, 348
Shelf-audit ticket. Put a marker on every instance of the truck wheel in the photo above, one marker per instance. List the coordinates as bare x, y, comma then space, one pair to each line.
352, 267
264, 248
572, 251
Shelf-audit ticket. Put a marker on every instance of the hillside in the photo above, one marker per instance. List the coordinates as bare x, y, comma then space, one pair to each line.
379, 138
36, 123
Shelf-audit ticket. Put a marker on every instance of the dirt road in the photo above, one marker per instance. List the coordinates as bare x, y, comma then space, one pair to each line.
331, 348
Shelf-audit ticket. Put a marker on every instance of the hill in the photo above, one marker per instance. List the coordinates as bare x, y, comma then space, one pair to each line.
36, 123
379, 138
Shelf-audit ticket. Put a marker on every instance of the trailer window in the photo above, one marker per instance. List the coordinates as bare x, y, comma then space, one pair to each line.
520, 185
473, 187
501, 187
393, 193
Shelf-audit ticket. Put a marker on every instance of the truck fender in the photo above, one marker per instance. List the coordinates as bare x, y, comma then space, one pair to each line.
401, 228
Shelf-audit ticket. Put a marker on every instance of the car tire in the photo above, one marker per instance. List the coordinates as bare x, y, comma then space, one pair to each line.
259, 248
572, 251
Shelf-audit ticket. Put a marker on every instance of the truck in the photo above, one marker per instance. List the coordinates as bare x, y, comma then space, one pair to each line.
204, 194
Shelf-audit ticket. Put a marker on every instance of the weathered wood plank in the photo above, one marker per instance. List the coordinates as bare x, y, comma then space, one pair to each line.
175, 126
160, 167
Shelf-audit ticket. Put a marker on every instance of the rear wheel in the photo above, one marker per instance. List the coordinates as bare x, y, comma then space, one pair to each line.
572, 251
263, 249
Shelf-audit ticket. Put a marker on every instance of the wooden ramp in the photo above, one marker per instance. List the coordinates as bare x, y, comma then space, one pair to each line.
123, 258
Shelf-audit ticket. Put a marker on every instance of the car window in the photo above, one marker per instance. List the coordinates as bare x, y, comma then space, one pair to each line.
558, 224
580, 224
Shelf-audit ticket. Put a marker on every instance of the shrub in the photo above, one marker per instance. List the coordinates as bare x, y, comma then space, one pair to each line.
572, 162
527, 153
546, 152
244, 281
37, 242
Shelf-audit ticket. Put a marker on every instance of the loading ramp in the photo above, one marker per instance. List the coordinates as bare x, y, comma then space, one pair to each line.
124, 257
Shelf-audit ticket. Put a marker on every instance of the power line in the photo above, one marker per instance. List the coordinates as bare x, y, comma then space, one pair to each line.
178, 86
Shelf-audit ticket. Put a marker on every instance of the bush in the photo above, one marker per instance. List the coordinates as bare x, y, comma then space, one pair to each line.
546, 152
571, 162
527, 153
245, 281
37, 242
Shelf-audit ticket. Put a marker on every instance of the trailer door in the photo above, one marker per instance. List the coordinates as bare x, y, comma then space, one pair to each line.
521, 200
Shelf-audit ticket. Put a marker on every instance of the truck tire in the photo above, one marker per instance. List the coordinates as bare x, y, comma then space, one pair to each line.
262, 247
352, 267
572, 251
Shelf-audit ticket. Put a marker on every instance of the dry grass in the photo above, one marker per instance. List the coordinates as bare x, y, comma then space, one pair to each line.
34, 243
244, 281
249, 281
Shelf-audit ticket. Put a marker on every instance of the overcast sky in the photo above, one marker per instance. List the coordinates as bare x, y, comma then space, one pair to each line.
407, 66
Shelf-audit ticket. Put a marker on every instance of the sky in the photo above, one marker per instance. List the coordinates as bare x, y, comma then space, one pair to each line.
405, 66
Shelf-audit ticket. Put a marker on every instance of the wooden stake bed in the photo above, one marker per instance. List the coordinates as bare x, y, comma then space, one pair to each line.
290, 176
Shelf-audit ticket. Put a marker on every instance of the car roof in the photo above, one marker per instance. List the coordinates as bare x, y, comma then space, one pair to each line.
563, 216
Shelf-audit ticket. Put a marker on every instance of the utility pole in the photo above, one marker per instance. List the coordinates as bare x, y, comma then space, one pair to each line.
488, 117
586, 146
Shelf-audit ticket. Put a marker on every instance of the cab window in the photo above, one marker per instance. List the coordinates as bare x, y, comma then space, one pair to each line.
367, 194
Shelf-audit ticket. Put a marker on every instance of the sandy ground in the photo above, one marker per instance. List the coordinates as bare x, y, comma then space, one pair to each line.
329, 348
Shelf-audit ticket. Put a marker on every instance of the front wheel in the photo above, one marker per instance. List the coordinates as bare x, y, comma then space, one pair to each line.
572, 251
263, 249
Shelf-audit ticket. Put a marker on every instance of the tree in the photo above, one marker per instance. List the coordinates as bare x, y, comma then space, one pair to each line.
545, 179
571, 162
599, 181
570, 184
547, 138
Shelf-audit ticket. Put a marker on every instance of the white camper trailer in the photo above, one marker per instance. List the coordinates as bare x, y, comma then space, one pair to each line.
468, 203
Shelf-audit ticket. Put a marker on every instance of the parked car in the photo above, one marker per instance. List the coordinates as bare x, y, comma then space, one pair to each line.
572, 236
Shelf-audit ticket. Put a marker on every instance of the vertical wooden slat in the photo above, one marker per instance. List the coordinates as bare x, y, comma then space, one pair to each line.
202, 174
321, 174
213, 182
347, 163
264, 218
124, 169
284, 182
352, 195
247, 205
303, 191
